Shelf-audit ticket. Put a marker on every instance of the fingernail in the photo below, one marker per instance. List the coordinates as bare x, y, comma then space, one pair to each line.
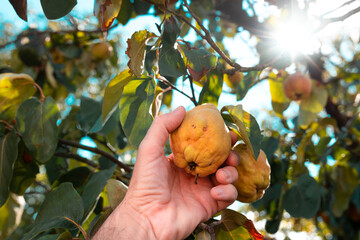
227, 174
219, 192
177, 109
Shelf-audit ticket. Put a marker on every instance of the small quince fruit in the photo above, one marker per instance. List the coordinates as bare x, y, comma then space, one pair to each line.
202, 142
254, 175
101, 50
297, 86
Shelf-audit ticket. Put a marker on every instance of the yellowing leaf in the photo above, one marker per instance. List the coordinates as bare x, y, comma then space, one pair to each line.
14, 88
116, 191
279, 101
113, 92
247, 127
136, 51
106, 11
311, 106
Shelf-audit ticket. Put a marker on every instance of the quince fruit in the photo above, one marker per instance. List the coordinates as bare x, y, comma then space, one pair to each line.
202, 142
297, 86
101, 50
254, 175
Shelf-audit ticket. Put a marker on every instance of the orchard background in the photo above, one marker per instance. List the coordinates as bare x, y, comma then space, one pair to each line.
76, 99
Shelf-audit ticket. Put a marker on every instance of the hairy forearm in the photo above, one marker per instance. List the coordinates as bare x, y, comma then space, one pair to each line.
125, 223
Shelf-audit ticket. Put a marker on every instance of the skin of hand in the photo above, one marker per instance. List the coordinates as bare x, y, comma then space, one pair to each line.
163, 201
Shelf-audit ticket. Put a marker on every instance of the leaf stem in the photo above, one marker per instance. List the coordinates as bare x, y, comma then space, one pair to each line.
172, 86
80, 228
7, 125
40, 90
193, 99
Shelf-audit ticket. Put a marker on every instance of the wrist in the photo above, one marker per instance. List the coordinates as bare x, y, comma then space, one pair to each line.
125, 223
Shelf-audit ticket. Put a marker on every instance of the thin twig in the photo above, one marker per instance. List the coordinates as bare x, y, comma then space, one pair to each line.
104, 143
7, 125
164, 80
342, 5
192, 90
327, 21
43, 185
207, 36
98, 151
49, 32
76, 157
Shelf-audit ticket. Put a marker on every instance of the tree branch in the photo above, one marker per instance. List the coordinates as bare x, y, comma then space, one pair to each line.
76, 157
172, 86
327, 21
207, 36
98, 151
49, 32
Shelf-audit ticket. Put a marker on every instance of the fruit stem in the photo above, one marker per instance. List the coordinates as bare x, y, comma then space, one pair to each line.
196, 178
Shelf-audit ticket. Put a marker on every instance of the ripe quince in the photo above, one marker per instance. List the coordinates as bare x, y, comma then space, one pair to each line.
297, 86
202, 142
254, 175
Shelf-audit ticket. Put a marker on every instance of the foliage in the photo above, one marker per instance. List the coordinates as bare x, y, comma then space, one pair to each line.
54, 94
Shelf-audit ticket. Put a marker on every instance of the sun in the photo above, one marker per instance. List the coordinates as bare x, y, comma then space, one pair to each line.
295, 38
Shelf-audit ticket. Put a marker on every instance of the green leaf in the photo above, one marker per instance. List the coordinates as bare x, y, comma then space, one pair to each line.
126, 12
113, 92
171, 63
170, 31
50, 237
94, 187
36, 122
199, 62
90, 116
23, 176
77, 176
116, 191
135, 105
244, 85
106, 12
15, 88
62, 202
247, 127
54, 9
212, 89
303, 198
300, 153
55, 167
8, 154
279, 101
269, 145
312, 105
10, 213
20, 6
346, 179
98, 221
136, 51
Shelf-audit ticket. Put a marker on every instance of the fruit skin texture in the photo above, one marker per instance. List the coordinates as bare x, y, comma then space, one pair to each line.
254, 176
297, 86
101, 50
202, 142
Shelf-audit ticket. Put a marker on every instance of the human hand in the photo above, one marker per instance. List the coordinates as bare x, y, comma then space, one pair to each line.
163, 201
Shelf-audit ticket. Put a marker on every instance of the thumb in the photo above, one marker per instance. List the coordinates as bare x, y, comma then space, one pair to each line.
162, 126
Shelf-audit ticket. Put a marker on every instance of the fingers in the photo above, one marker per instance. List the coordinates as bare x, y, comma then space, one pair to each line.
226, 193
233, 159
158, 133
234, 138
226, 175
